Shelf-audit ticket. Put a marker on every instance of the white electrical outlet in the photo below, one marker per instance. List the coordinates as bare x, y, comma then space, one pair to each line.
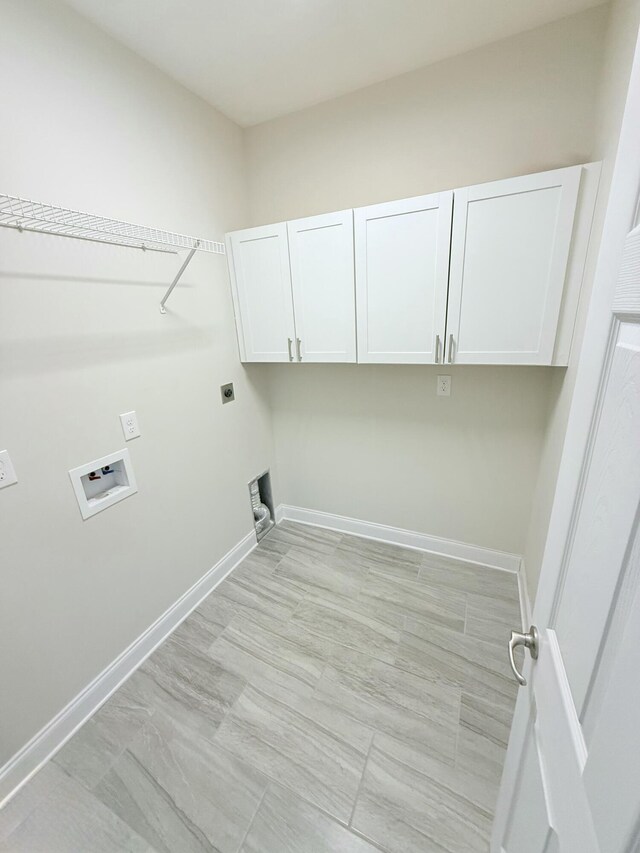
130, 426
7, 471
443, 388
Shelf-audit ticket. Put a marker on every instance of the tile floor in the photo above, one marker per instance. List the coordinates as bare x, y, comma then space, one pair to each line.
333, 694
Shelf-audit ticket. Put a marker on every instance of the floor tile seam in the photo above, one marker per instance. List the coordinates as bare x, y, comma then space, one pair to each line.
325, 662
392, 707
272, 782
46, 801
165, 796
475, 730
408, 613
383, 625
189, 648
303, 717
440, 681
255, 814
263, 662
506, 705
361, 780
279, 781
358, 651
396, 706
305, 628
442, 786
318, 591
247, 586
458, 728
459, 656
368, 839
504, 596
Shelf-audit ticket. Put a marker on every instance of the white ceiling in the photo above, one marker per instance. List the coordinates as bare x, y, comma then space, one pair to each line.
258, 59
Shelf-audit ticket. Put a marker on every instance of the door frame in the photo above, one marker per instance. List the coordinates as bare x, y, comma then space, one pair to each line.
619, 219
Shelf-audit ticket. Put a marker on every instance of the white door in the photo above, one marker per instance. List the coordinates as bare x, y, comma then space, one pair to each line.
402, 266
571, 782
509, 253
322, 275
261, 288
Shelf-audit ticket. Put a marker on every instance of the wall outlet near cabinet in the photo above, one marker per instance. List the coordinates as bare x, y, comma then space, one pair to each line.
443, 388
130, 426
7, 471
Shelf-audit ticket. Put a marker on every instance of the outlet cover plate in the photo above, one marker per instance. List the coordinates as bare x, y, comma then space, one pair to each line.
227, 393
130, 426
443, 388
7, 471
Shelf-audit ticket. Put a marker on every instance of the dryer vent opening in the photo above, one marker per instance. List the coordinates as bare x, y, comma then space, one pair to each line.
262, 504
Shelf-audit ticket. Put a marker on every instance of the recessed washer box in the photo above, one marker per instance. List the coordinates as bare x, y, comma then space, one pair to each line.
103, 482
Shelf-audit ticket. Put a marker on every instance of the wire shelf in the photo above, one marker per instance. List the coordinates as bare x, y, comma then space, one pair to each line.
26, 215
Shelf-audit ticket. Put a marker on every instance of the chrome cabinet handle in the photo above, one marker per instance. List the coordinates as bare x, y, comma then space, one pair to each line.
451, 349
298, 348
530, 641
289, 342
437, 349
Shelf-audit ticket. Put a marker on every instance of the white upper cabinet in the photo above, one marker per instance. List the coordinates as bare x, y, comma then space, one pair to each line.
509, 252
402, 263
322, 275
489, 274
261, 287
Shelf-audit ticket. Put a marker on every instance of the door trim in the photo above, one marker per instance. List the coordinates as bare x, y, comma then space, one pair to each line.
619, 219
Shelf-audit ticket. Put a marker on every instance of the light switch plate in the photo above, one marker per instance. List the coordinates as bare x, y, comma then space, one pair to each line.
130, 426
7, 471
443, 388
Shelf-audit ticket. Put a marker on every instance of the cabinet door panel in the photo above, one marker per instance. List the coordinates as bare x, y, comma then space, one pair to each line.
261, 287
402, 262
509, 253
322, 276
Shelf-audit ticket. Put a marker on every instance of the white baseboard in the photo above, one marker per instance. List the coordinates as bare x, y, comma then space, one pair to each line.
43, 746
399, 536
525, 601
57, 732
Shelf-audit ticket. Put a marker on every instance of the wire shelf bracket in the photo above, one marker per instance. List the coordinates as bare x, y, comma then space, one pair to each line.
26, 215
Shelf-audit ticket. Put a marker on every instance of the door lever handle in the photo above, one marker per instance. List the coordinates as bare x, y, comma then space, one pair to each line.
530, 641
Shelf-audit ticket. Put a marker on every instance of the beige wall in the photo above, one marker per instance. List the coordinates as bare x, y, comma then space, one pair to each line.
375, 442
520, 105
620, 41
84, 123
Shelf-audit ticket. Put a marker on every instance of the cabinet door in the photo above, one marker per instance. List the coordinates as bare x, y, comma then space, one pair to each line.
509, 254
322, 275
402, 263
261, 287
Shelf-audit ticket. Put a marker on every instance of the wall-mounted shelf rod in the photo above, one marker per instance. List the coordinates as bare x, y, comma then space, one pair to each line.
26, 215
